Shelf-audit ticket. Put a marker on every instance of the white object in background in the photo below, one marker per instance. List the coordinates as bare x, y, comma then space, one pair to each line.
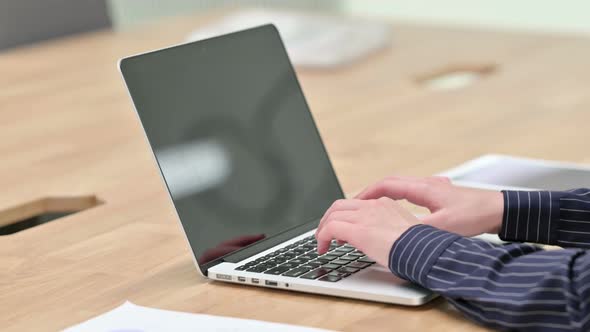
311, 40
133, 318
508, 172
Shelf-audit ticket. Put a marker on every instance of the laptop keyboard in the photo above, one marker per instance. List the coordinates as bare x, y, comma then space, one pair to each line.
300, 260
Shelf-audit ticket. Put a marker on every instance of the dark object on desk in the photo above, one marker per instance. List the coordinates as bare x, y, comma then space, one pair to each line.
28, 21
32, 222
37, 212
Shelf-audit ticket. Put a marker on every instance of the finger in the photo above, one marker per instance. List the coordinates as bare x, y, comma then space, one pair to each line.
366, 193
340, 205
440, 179
361, 194
415, 191
348, 216
339, 230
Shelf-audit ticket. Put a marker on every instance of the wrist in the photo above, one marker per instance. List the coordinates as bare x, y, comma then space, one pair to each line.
496, 212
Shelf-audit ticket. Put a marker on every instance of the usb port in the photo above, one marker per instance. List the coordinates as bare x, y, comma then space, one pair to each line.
255, 281
271, 283
242, 279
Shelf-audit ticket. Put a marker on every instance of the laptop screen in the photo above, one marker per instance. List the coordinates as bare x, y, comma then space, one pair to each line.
234, 139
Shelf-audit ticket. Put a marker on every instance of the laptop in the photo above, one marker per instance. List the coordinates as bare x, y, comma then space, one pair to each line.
246, 169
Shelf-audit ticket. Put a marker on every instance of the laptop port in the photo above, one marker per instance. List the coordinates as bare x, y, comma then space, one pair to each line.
255, 281
271, 283
242, 279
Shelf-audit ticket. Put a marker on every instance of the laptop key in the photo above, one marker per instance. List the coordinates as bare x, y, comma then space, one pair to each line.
348, 269
257, 269
337, 253
322, 260
308, 256
277, 270
358, 265
299, 251
315, 263
319, 272
339, 273
290, 265
366, 259
330, 278
339, 262
346, 249
331, 266
328, 257
298, 261
308, 267
241, 268
348, 258
272, 262
356, 254
296, 272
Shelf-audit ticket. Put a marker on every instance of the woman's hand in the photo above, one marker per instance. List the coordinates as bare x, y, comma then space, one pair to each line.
371, 226
465, 211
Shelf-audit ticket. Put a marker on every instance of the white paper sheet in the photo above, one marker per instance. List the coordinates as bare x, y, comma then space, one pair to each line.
508, 172
133, 318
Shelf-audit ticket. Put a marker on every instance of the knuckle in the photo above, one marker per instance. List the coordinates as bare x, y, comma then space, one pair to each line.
439, 179
338, 203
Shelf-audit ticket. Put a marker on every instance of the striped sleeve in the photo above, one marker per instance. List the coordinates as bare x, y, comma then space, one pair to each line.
514, 286
552, 217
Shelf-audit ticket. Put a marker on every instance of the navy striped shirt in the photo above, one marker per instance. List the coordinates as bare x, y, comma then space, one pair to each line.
516, 285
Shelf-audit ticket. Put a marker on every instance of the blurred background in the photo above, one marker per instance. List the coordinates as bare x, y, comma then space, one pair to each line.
544, 15
61, 17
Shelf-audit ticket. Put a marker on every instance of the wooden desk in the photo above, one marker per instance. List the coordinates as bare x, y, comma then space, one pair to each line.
68, 128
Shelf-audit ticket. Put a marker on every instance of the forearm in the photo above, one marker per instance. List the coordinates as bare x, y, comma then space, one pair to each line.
516, 286
550, 217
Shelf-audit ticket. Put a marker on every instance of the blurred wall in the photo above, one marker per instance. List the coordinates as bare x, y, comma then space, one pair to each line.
572, 16
128, 12
539, 15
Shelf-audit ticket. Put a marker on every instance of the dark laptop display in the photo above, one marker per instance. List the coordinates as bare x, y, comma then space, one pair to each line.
234, 139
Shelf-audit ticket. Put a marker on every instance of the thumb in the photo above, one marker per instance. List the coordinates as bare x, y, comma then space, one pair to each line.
436, 219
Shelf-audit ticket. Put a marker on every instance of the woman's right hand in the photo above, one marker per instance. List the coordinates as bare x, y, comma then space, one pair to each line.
461, 210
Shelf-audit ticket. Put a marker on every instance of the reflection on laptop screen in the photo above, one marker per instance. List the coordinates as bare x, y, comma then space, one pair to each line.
234, 138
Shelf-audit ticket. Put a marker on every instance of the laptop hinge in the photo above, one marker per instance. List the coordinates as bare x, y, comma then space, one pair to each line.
261, 246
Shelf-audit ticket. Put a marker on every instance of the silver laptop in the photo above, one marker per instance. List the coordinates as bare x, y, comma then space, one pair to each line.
246, 168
